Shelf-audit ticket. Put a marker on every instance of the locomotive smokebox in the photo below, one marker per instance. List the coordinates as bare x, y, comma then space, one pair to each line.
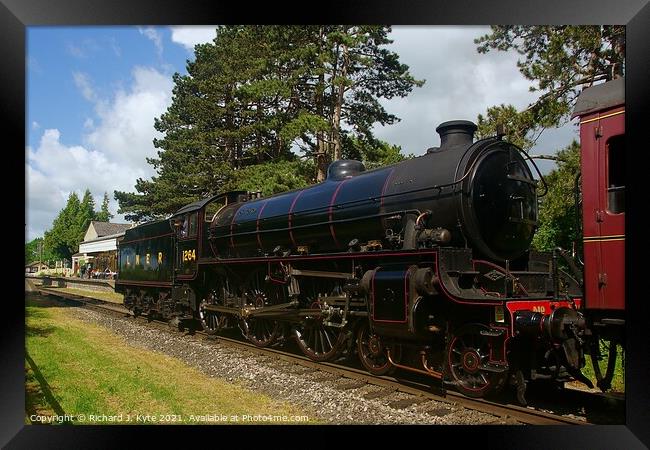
456, 133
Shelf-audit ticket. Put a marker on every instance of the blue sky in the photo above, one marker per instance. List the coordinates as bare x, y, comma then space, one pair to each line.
62, 60
93, 94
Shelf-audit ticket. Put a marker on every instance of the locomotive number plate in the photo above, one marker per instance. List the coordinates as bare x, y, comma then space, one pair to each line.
189, 255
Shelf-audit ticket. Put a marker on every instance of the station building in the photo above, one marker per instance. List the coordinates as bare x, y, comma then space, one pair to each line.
99, 247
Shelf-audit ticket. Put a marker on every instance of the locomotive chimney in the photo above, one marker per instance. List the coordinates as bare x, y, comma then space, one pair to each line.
456, 133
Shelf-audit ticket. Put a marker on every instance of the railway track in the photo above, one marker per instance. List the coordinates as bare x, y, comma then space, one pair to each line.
414, 390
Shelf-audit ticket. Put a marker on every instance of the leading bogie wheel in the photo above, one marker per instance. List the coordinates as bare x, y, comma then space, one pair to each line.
468, 352
373, 351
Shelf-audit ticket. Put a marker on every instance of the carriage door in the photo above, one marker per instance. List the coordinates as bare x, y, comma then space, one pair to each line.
186, 244
611, 198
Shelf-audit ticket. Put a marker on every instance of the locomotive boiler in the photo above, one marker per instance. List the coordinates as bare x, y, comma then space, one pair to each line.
424, 265
479, 195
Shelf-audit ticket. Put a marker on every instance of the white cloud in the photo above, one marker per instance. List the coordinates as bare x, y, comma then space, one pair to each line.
83, 49
35, 125
112, 156
154, 36
189, 36
83, 83
460, 84
54, 170
125, 130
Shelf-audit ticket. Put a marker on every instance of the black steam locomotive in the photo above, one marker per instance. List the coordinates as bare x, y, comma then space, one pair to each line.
424, 265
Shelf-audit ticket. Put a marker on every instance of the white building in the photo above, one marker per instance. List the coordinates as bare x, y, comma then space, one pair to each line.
99, 247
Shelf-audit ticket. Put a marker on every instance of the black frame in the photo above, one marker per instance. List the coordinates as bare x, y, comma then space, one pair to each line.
15, 15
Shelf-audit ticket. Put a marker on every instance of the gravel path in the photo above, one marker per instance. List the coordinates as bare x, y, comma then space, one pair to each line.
317, 393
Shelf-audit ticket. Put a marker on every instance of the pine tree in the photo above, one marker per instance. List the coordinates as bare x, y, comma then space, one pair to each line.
558, 217
85, 215
559, 61
104, 215
257, 91
61, 239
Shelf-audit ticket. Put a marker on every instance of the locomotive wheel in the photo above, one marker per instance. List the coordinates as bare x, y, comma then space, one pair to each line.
212, 321
467, 351
373, 353
317, 341
261, 332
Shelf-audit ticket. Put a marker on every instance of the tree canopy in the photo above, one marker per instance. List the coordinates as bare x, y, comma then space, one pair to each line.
62, 240
559, 61
269, 97
558, 217
35, 250
104, 215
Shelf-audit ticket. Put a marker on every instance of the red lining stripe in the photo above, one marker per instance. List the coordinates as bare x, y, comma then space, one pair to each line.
331, 213
345, 255
232, 226
374, 307
259, 240
293, 203
383, 189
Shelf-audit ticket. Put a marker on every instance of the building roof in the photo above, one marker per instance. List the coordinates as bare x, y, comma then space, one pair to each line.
107, 228
201, 203
104, 238
35, 263
601, 96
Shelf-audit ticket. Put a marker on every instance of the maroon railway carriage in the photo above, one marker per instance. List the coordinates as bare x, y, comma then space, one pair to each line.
601, 110
424, 265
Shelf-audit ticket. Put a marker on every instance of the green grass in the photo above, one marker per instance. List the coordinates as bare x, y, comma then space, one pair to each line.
113, 297
618, 382
91, 371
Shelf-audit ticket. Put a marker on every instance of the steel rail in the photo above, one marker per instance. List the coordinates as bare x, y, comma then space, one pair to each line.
525, 415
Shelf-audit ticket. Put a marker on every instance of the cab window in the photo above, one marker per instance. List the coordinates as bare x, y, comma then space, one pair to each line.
186, 226
192, 225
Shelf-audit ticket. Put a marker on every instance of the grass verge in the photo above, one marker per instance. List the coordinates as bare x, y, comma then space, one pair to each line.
618, 382
94, 377
113, 297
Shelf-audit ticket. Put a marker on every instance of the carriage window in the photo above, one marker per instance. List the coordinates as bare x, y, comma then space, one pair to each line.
616, 174
192, 225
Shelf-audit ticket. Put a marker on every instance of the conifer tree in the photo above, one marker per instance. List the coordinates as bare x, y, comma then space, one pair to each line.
258, 92
104, 215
